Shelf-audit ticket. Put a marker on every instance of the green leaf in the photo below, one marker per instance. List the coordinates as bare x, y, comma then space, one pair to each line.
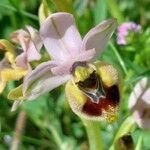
100, 11
139, 145
63, 5
114, 10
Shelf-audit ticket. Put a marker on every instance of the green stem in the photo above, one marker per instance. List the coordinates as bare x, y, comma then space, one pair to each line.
139, 145
119, 58
56, 136
94, 135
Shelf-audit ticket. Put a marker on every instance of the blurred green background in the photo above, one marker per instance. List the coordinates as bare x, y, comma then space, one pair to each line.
50, 123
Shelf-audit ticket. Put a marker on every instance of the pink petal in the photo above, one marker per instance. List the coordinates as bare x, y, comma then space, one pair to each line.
137, 93
139, 103
21, 60
146, 96
15, 36
86, 55
32, 53
30, 42
142, 116
98, 36
41, 80
60, 36
35, 37
65, 68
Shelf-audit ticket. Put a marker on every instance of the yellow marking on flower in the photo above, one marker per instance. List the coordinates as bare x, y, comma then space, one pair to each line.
82, 73
75, 93
111, 114
10, 50
10, 57
11, 72
8, 74
108, 73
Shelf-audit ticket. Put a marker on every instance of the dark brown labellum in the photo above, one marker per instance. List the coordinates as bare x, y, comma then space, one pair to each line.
99, 97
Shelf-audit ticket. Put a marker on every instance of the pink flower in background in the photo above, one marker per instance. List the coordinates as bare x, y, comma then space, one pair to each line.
66, 47
139, 103
123, 31
30, 43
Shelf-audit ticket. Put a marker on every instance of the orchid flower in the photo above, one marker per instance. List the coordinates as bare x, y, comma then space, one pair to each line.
139, 103
89, 85
123, 31
15, 66
30, 43
8, 69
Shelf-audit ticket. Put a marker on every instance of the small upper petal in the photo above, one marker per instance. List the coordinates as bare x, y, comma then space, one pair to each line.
98, 36
65, 68
60, 36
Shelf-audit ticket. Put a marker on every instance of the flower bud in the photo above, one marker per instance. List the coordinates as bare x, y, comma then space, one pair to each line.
94, 91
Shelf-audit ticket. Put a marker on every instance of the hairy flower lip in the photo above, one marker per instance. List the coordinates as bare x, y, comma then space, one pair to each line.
106, 108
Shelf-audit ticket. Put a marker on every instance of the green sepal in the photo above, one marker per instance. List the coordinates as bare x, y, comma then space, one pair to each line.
16, 94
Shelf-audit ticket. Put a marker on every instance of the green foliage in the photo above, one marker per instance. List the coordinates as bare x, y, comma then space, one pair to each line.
50, 122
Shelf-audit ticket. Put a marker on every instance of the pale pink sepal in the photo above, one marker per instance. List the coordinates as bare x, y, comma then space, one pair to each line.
137, 92
99, 36
41, 80
60, 36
